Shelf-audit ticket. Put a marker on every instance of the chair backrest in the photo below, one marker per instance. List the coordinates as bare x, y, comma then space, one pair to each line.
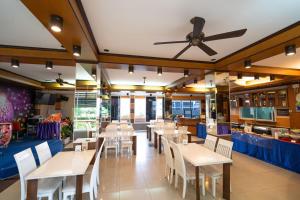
224, 148
152, 121
43, 152
167, 152
115, 121
160, 120
26, 164
124, 126
123, 121
179, 164
210, 142
170, 124
182, 129
111, 127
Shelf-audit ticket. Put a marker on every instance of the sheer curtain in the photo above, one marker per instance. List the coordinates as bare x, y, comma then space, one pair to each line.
124, 108
140, 109
159, 108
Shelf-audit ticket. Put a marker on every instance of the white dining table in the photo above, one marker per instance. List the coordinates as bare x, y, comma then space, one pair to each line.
200, 156
119, 134
159, 133
63, 164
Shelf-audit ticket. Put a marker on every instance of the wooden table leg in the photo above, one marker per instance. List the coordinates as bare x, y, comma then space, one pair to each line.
150, 134
226, 181
197, 183
159, 144
134, 144
32, 189
189, 138
79, 182
147, 132
155, 140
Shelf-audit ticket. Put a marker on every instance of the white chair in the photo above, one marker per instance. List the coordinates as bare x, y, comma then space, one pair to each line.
157, 126
210, 142
181, 170
182, 129
111, 143
46, 187
224, 148
123, 121
89, 183
169, 160
111, 127
115, 121
152, 121
43, 152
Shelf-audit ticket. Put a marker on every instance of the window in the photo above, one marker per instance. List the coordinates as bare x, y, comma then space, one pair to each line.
124, 108
159, 108
140, 109
187, 108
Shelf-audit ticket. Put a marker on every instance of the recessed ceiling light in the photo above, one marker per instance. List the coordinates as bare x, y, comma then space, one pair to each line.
130, 69
212, 60
76, 50
56, 23
247, 64
290, 50
15, 63
49, 65
186, 73
159, 71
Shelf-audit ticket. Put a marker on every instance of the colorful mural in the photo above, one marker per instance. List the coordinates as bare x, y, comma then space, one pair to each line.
15, 102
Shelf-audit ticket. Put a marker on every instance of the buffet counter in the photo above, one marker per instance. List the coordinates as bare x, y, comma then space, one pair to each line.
277, 152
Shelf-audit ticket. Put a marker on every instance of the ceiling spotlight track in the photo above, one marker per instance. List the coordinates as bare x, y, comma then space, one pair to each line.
290, 50
186, 73
76, 50
130, 69
49, 65
15, 63
159, 71
197, 37
247, 64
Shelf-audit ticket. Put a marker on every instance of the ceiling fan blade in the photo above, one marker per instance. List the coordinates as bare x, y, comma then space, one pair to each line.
198, 25
226, 35
207, 49
182, 51
170, 42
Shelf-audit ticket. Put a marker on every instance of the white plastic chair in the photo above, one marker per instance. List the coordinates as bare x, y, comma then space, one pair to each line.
115, 121
152, 121
89, 183
224, 148
210, 142
26, 164
169, 160
43, 152
111, 143
182, 129
185, 173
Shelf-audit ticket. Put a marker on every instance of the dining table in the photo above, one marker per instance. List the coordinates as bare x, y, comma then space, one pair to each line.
159, 133
120, 135
199, 156
91, 142
63, 164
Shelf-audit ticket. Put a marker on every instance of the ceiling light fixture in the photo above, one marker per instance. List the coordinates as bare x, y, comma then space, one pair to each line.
94, 72
239, 76
195, 80
15, 63
76, 50
159, 71
290, 50
256, 77
49, 65
130, 69
56, 23
247, 64
186, 73
272, 77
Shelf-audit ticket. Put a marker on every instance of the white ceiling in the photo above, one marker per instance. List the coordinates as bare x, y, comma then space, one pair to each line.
132, 26
122, 77
20, 28
282, 60
40, 73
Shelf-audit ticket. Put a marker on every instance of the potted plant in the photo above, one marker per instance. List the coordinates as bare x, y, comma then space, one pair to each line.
66, 130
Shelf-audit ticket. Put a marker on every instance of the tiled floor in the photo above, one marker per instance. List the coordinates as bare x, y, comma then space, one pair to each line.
142, 177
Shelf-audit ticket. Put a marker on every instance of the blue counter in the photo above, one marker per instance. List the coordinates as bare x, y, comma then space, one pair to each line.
276, 152
201, 130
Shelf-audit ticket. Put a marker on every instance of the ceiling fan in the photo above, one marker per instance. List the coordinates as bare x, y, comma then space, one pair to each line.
61, 82
197, 37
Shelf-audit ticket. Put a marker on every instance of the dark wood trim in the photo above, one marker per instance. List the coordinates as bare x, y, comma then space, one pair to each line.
226, 181
87, 24
197, 182
134, 144
86, 61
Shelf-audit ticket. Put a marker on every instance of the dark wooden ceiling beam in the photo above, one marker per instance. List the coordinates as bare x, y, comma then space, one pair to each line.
32, 55
152, 61
75, 31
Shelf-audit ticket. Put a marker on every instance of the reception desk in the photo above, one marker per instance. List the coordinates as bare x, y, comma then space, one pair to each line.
280, 153
190, 123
